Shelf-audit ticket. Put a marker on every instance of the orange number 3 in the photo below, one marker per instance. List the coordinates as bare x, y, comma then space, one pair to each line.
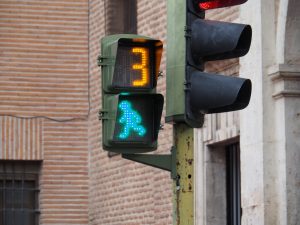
142, 66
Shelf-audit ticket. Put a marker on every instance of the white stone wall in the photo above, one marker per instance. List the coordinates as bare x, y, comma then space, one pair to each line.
269, 127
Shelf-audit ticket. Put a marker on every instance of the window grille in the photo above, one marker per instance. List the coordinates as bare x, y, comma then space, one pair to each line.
19, 190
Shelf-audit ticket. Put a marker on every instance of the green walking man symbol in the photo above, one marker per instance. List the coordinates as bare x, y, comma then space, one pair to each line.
131, 121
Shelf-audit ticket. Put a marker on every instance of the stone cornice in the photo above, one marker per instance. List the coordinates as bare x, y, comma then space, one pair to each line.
286, 80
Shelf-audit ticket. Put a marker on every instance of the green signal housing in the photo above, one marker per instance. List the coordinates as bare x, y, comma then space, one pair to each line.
131, 108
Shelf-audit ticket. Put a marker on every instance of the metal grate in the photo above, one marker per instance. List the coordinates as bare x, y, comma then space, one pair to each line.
19, 190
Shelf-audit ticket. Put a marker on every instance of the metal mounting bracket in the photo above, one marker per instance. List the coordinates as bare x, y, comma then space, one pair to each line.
164, 162
105, 61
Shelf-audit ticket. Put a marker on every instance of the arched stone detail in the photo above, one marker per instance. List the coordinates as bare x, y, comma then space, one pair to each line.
288, 32
292, 43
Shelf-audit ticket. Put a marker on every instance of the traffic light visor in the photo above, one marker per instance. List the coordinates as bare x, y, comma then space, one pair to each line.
214, 4
212, 93
215, 40
137, 64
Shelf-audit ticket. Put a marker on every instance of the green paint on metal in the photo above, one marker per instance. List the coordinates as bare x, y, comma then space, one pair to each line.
164, 162
178, 67
176, 54
184, 183
183, 186
140, 136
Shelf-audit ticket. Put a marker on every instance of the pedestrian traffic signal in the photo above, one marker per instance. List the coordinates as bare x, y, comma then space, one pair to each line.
192, 41
131, 109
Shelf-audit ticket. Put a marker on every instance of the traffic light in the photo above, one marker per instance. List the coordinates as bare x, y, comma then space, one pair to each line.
131, 109
192, 41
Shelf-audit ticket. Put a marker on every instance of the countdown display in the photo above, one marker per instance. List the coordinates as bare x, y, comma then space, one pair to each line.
134, 66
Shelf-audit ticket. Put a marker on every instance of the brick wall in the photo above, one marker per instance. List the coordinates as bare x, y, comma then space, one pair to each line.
123, 192
96, 155
21, 139
43, 82
43, 58
64, 181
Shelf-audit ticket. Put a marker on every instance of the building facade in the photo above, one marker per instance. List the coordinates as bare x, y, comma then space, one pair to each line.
53, 170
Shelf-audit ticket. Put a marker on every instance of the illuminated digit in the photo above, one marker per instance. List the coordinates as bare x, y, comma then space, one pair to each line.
142, 66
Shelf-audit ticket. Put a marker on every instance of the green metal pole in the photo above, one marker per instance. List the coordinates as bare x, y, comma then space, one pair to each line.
183, 186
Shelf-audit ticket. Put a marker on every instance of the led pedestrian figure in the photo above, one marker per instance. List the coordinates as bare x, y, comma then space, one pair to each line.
131, 120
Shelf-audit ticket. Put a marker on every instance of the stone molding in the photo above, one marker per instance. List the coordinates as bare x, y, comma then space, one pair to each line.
286, 80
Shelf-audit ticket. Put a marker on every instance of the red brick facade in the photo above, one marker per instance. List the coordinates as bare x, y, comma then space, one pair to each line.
44, 103
121, 191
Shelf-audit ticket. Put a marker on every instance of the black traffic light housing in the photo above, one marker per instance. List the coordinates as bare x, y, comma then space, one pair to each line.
204, 40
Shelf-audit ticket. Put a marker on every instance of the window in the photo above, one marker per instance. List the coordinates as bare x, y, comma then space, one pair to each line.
121, 16
19, 189
233, 181
223, 183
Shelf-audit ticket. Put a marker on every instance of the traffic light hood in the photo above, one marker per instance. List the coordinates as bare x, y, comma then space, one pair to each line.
215, 40
126, 58
212, 93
